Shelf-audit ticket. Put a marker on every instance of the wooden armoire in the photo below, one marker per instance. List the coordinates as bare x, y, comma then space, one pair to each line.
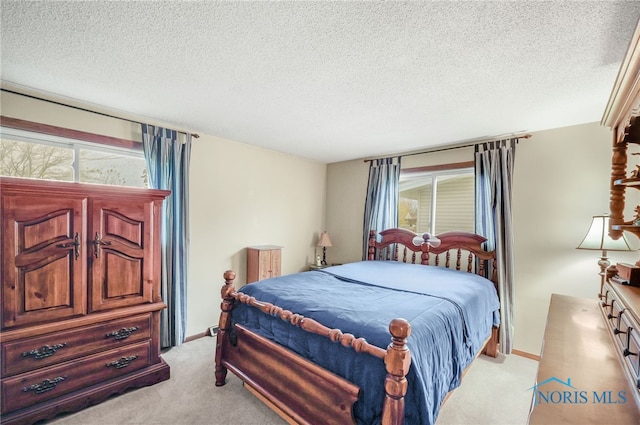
80, 295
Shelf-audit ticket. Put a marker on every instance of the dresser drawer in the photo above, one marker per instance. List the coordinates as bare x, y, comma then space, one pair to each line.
632, 355
34, 387
614, 312
29, 354
621, 328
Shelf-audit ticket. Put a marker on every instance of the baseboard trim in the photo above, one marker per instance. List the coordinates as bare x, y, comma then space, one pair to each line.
526, 355
197, 336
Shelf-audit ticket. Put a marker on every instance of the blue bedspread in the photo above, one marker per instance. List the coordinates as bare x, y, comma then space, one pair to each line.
451, 315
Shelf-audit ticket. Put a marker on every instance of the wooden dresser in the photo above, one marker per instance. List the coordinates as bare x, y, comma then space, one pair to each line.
80, 295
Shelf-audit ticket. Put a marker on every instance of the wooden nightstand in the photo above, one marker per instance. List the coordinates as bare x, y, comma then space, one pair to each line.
263, 262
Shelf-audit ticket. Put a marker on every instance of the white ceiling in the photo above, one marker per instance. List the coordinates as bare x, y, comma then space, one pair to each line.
326, 80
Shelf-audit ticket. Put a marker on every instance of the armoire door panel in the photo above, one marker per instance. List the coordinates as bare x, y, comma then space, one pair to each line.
120, 276
123, 275
43, 260
41, 291
124, 229
44, 230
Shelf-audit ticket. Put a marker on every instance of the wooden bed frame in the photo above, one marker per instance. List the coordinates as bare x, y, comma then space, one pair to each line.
287, 382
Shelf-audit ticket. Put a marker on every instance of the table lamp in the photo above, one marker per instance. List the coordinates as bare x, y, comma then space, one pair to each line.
324, 242
598, 239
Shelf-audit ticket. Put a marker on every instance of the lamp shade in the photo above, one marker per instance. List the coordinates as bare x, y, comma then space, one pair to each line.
324, 240
598, 238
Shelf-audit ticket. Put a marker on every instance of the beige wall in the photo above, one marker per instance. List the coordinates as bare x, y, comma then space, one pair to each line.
561, 179
240, 196
243, 195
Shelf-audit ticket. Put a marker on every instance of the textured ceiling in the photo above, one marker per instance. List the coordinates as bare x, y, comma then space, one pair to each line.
330, 81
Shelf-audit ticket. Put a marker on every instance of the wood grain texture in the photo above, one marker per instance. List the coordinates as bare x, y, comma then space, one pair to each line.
80, 322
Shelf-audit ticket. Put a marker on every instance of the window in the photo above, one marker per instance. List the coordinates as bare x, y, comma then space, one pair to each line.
45, 156
436, 200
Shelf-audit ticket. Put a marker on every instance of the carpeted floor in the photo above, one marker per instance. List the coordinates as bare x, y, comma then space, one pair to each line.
492, 392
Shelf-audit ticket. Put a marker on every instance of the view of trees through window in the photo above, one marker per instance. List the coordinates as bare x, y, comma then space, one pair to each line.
22, 159
72, 161
437, 202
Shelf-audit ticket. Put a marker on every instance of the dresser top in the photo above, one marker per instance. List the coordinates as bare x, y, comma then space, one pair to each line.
580, 376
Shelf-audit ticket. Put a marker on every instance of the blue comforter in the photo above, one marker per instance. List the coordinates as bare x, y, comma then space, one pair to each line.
451, 315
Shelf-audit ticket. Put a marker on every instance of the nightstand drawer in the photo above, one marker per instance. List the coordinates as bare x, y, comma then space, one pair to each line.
26, 355
31, 388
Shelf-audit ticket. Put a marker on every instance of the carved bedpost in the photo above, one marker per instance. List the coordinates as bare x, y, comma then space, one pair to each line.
397, 361
492, 348
224, 324
372, 249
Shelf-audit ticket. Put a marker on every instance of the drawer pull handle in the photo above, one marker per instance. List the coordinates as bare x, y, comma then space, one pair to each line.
626, 351
617, 331
122, 333
44, 351
122, 362
44, 386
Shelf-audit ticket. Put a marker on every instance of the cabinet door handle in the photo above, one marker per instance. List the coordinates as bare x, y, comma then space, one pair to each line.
97, 243
75, 244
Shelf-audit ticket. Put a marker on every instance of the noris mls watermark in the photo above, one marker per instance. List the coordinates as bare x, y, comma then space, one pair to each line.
557, 391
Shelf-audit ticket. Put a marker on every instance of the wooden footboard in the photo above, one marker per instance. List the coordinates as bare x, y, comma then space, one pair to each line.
289, 381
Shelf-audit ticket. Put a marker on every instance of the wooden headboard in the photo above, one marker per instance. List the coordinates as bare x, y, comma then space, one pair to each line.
461, 250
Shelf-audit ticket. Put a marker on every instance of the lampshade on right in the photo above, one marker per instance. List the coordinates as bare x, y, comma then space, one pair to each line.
598, 239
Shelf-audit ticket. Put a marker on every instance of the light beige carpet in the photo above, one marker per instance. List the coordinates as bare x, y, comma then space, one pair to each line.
493, 392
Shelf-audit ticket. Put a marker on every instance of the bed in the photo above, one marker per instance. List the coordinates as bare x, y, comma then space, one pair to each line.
381, 341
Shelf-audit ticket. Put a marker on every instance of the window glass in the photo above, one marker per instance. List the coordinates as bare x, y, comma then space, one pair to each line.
24, 159
437, 202
41, 156
112, 168
455, 203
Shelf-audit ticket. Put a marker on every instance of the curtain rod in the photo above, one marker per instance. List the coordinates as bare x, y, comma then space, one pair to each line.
83, 109
525, 136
